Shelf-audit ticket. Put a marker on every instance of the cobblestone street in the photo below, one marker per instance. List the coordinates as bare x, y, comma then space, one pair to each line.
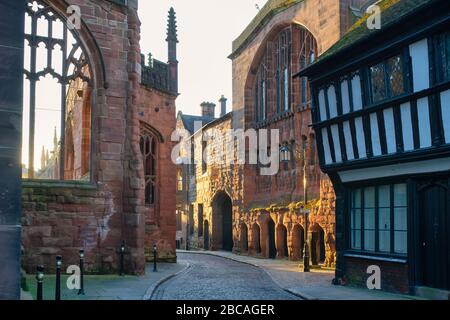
215, 278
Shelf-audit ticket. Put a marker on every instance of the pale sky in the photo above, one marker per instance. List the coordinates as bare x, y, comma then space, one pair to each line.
206, 29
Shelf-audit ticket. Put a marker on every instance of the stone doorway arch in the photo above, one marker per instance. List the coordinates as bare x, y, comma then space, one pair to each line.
271, 248
206, 235
282, 245
317, 245
256, 238
222, 222
244, 237
297, 242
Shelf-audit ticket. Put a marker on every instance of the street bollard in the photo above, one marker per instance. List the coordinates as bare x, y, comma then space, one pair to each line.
81, 290
40, 281
154, 258
122, 252
58, 278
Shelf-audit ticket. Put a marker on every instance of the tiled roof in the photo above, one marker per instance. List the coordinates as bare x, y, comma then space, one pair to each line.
189, 121
391, 12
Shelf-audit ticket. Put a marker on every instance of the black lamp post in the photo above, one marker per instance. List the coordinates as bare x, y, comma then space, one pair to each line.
305, 218
81, 290
122, 252
154, 258
40, 281
58, 278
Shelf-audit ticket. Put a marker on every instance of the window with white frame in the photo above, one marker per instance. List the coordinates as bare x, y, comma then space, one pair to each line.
378, 219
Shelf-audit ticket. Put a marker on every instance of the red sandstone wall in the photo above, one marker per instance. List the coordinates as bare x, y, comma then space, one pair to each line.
59, 218
158, 110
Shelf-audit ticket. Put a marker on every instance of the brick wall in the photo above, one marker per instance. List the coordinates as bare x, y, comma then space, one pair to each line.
394, 276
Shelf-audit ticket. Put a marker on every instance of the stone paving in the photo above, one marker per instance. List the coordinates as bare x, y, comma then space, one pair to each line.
315, 285
109, 287
215, 278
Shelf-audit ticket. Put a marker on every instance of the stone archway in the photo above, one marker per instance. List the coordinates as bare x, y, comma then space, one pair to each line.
256, 238
297, 242
244, 238
206, 235
222, 222
282, 245
271, 248
317, 245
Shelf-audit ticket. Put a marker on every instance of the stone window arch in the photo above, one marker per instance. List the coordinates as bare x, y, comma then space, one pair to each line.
58, 84
149, 149
307, 55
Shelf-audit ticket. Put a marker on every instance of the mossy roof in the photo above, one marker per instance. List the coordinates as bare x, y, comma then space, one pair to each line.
391, 12
270, 9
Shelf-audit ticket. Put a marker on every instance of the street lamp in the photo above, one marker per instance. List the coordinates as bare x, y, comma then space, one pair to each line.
40, 281
81, 291
58, 278
154, 258
305, 218
285, 156
122, 252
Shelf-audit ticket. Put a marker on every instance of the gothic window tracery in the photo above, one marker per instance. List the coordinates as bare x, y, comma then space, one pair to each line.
292, 49
57, 98
148, 145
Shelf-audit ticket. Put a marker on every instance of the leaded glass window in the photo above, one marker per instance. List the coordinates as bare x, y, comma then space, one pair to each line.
387, 79
442, 57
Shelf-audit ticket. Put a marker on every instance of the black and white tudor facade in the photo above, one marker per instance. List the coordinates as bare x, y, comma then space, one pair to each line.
382, 119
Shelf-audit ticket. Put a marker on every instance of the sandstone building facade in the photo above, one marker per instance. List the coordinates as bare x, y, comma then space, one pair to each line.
108, 179
234, 207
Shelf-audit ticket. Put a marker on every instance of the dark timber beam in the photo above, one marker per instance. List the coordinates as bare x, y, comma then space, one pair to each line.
11, 90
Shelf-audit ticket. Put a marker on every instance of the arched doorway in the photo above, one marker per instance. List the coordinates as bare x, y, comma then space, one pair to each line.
244, 237
206, 235
317, 245
297, 242
256, 234
271, 239
282, 247
222, 223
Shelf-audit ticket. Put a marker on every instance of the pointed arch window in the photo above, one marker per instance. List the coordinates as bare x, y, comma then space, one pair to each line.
282, 58
149, 148
261, 93
57, 98
307, 56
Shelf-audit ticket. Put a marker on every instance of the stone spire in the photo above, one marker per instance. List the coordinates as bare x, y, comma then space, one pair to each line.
43, 158
55, 141
172, 26
172, 40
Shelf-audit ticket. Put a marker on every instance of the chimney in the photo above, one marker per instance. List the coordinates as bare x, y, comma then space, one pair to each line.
208, 109
223, 106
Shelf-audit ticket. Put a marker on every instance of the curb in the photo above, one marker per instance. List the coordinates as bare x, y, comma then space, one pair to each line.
151, 290
297, 294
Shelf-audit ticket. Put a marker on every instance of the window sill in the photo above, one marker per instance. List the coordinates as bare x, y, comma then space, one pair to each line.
32, 183
368, 256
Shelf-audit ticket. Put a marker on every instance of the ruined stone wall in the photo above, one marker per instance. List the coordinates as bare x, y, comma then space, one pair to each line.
157, 110
60, 218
